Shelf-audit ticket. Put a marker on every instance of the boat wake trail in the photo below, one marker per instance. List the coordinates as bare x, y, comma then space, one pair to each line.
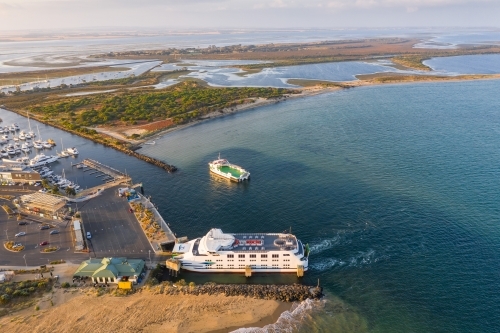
329, 243
361, 259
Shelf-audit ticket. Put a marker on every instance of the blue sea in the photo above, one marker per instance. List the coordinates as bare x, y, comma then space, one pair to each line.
394, 187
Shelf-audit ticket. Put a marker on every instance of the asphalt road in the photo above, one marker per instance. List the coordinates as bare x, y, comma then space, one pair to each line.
115, 231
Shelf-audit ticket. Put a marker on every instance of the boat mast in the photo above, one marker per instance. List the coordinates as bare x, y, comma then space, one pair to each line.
29, 124
39, 136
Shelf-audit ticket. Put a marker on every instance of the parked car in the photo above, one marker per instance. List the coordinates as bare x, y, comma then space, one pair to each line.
22, 233
130, 210
17, 245
44, 243
23, 223
43, 227
53, 232
89, 236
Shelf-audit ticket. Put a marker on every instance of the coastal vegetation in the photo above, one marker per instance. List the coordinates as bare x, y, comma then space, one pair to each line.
18, 295
412, 61
182, 103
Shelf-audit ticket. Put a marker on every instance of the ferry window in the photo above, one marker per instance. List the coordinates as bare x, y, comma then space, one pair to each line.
276, 255
263, 255
230, 255
241, 256
286, 255
253, 256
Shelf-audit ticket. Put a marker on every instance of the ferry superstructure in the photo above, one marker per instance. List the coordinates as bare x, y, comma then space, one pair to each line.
219, 252
227, 170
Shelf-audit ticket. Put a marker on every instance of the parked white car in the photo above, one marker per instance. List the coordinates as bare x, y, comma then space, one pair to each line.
22, 233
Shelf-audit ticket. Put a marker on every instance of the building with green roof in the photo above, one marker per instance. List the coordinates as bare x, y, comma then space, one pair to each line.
111, 270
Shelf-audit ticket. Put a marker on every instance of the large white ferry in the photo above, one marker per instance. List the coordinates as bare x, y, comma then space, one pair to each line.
219, 252
225, 169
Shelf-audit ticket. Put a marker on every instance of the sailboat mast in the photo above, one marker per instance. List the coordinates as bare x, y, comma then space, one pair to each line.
29, 124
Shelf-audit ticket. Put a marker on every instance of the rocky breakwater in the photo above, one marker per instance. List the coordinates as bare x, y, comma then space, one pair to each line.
151, 160
285, 293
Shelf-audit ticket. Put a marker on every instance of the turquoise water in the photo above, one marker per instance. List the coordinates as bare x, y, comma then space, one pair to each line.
395, 188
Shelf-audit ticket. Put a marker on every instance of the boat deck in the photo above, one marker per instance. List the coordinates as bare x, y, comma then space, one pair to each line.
234, 172
259, 242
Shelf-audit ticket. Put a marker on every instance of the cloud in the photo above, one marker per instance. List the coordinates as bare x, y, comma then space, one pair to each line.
53, 14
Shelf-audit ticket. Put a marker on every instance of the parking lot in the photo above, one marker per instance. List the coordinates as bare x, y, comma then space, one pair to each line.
115, 231
9, 227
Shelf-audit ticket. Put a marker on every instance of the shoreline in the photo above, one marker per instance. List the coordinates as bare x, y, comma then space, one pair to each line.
306, 92
144, 310
320, 88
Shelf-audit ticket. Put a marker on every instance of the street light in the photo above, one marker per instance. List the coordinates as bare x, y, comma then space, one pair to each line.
149, 257
6, 234
24, 256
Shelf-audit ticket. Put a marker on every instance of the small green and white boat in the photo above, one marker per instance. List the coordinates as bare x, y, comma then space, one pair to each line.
227, 170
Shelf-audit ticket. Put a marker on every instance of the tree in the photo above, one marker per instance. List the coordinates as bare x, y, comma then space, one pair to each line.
45, 183
55, 189
70, 191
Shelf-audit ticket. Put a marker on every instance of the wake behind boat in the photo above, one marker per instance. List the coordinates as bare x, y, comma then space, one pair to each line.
227, 170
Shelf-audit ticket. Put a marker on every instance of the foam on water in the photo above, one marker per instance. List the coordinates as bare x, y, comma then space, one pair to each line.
289, 321
361, 259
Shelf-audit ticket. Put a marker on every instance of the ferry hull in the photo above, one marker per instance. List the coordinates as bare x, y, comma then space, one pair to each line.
225, 175
242, 270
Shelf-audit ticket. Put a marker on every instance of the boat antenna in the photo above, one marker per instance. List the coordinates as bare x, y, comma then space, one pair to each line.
290, 229
219, 155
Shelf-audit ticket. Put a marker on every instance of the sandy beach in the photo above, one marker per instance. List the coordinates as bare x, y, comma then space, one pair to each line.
83, 311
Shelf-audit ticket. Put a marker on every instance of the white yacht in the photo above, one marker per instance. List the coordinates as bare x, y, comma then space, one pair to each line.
37, 145
72, 151
41, 159
235, 253
4, 153
28, 144
47, 145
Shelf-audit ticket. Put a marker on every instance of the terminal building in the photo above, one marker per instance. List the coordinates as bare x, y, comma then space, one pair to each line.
112, 270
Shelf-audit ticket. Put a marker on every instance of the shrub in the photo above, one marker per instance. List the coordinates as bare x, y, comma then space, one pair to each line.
37, 308
65, 285
5, 298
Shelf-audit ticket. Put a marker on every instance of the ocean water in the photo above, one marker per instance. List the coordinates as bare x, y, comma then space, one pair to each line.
395, 188
278, 76
467, 64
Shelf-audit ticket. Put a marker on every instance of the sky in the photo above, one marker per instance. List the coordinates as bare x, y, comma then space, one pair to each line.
249, 14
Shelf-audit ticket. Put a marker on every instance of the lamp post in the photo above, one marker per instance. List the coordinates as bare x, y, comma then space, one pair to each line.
24, 256
149, 257
6, 234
